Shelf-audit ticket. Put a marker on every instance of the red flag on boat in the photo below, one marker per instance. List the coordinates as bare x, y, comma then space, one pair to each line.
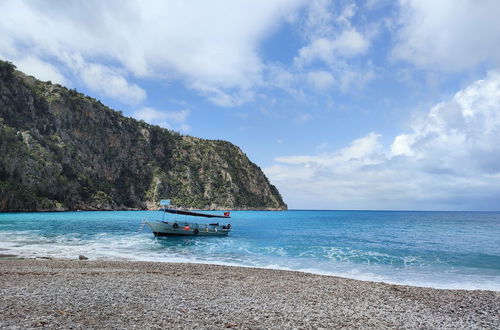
226, 214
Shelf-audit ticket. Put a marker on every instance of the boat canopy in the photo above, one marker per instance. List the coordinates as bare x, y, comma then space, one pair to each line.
196, 214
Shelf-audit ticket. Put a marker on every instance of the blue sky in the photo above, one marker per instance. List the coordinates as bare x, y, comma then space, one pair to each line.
344, 104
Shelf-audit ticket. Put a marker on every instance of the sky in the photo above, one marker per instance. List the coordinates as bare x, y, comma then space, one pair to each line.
377, 104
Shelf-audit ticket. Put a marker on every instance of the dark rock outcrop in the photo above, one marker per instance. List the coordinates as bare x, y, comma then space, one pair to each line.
62, 150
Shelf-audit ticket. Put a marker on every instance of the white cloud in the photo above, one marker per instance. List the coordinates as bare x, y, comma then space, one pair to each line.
350, 43
202, 43
220, 97
355, 78
319, 49
281, 77
333, 43
40, 69
320, 80
459, 135
448, 35
319, 19
331, 36
166, 119
151, 114
449, 160
110, 82
347, 44
361, 152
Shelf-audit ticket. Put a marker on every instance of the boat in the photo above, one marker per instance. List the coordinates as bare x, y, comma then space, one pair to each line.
175, 226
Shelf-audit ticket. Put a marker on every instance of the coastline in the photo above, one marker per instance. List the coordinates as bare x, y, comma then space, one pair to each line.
126, 294
87, 209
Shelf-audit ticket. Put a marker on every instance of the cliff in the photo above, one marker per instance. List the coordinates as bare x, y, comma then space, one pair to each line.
62, 150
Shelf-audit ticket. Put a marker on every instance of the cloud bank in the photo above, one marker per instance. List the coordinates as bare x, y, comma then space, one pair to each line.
449, 160
212, 47
447, 35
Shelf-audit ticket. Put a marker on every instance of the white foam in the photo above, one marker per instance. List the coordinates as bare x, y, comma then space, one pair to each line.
142, 247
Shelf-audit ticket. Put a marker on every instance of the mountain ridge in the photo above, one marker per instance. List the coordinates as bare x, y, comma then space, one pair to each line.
62, 150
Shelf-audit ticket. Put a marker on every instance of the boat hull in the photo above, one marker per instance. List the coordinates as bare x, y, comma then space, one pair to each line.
164, 228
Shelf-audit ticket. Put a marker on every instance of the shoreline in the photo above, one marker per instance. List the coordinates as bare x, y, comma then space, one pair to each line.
62, 210
6, 255
123, 294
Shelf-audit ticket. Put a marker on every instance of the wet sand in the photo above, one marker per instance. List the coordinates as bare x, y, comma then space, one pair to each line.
7, 256
121, 294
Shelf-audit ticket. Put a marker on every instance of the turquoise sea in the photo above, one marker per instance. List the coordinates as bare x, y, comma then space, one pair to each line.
459, 250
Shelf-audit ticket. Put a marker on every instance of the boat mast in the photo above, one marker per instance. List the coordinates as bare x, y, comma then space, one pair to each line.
164, 203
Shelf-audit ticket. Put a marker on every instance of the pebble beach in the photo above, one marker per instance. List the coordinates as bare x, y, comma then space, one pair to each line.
86, 294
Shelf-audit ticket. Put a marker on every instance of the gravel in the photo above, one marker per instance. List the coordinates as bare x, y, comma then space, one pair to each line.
97, 294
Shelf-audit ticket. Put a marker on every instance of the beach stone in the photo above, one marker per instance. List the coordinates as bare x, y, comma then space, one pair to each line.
82, 257
145, 295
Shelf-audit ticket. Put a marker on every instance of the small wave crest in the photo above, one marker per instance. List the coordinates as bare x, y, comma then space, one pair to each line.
230, 251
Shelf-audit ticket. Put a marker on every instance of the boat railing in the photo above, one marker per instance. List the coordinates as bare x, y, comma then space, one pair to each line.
194, 224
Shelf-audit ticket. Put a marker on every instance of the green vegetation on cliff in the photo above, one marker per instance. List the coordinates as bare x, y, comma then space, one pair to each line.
62, 150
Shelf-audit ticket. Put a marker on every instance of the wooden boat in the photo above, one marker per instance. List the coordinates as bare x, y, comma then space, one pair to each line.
175, 226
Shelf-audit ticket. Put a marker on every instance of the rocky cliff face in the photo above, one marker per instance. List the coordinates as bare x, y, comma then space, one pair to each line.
61, 150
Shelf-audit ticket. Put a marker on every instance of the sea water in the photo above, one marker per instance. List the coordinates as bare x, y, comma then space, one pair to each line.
456, 250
